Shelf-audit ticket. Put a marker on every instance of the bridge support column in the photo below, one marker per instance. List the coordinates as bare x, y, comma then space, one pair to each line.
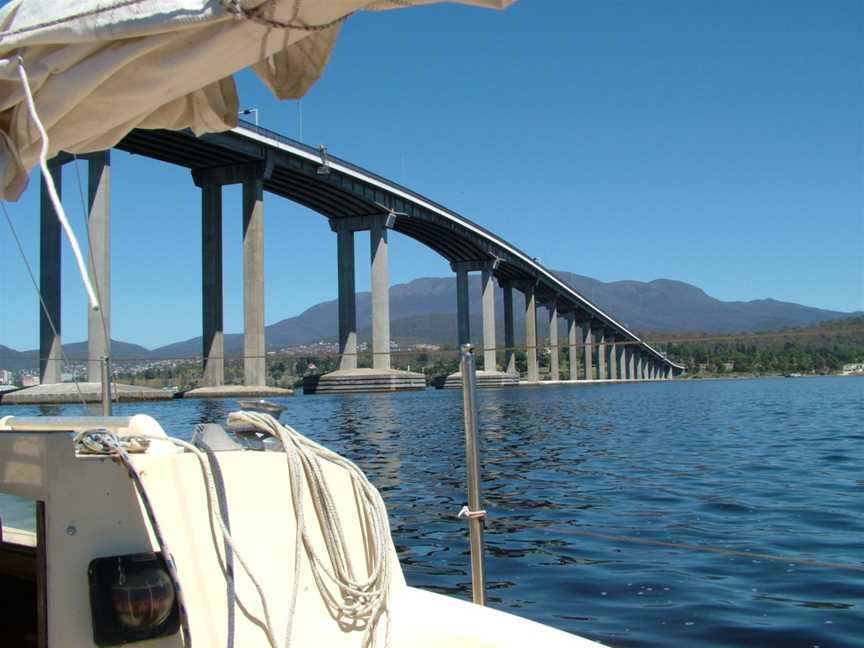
380, 295
489, 376
489, 351
554, 372
347, 298
573, 350
254, 348
381, 377
613, 358
50, 273
640, 366
600, 343
99, 261
631, 363
213, 337
588, 346
622, 360
531, 332
509, 337
463, 314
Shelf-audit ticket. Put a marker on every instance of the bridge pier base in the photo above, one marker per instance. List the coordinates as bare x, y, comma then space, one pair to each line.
489, 376
350, 378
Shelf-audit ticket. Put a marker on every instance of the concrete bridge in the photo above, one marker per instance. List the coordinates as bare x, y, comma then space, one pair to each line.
353, 200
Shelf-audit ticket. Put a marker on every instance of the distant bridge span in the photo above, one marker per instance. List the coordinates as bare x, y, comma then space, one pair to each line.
348, 194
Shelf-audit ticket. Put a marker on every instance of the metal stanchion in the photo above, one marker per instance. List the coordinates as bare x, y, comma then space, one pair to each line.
472, 512
106, 386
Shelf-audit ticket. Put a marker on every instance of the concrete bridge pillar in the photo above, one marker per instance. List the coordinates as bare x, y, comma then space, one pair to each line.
99, 261
572, 346
509, 337
489, 376
254, 348
531, 331
631, 363
554, 372
50, 272
211, 180
622, 360
613, 358
349, 378
211, 287
380, 294
600, 343
488, 288
640, 366
347, 296
463, 314
588, 346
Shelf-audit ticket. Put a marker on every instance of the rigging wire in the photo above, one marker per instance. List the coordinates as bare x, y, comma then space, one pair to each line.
50, 319
52, 190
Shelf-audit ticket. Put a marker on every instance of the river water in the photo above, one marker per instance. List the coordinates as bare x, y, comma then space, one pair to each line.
571, 473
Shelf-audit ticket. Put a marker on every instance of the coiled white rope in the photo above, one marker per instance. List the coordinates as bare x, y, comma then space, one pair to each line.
360, 600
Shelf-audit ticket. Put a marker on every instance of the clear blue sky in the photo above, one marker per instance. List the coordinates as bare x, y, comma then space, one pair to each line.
718, 143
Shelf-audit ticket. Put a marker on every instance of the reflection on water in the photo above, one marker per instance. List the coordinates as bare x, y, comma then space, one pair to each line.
771, 466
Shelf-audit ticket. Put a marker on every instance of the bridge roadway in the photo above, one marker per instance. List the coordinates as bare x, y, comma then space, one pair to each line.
353, 199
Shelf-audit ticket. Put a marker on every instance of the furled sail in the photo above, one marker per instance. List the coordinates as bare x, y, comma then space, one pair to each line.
99, 68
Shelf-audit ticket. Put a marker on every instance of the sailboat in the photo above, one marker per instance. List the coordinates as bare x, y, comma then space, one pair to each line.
149, 540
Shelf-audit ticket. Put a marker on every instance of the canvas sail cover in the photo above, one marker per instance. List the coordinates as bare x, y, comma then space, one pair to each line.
99, 68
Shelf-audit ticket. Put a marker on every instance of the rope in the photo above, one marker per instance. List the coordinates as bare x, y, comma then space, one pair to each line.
236, 9
104, 442
52, 190
219, 483
362, 600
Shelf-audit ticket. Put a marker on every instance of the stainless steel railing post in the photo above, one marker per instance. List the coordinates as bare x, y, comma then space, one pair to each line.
106, 386
473, 512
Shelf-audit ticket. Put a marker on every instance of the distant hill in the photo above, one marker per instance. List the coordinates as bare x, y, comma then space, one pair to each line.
667, 305
16, 360
424, 310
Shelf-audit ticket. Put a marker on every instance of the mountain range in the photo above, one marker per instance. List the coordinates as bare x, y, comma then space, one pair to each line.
424, 310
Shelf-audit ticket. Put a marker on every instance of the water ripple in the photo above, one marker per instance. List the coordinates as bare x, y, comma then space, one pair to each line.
765, 466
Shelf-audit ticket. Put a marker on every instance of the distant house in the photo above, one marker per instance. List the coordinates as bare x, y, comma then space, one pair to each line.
728, 366
854, 368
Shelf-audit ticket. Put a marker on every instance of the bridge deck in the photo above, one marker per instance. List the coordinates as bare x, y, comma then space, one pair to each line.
348, 191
